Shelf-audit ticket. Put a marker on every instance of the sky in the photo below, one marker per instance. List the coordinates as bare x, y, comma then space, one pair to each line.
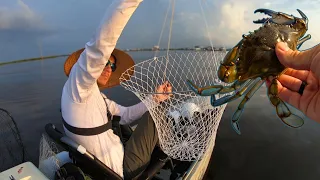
31, 28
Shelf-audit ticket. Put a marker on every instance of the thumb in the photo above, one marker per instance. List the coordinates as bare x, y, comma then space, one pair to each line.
300, 60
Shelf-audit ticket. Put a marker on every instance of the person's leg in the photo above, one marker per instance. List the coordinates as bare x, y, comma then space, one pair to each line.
138, 149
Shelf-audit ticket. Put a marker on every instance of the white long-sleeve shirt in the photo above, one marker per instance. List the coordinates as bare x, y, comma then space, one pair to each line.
83, 105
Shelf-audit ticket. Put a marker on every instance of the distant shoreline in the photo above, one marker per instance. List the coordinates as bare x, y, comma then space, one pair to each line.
31, 59
65, 55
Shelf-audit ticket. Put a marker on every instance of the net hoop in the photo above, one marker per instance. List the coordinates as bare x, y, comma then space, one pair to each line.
186, 123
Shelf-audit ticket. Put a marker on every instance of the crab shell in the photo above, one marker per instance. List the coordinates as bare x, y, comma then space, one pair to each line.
255, 56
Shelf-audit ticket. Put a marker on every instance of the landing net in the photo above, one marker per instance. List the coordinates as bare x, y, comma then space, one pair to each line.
12, 150
187, 122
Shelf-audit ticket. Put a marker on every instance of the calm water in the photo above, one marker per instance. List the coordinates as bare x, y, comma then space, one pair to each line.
266, 149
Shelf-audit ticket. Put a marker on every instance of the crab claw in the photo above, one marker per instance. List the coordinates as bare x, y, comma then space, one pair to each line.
276, 17
261, 20
304, 17
266, 11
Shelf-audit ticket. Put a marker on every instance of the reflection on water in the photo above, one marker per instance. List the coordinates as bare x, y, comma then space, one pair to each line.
266, 149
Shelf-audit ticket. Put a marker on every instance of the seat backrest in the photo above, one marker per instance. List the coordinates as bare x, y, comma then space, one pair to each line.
88, 163
94, 167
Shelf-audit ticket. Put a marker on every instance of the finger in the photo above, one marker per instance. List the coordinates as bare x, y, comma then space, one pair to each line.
169, 90
162, 86
300, 74
290, 82
168, 87
289, 96
168, 84
301, 60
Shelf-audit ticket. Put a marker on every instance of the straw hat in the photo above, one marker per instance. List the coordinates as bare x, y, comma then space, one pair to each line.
123, 62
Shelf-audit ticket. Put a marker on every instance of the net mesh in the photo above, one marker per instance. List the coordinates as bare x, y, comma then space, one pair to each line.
49, 163
12, 150
186, 122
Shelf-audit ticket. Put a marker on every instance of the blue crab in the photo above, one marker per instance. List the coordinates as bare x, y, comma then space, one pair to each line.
253, 60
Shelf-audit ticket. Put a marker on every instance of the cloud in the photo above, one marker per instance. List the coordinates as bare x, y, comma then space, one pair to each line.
25, 25
228, 20
222, 22
21, 17
20, 24
21, 30
234, 21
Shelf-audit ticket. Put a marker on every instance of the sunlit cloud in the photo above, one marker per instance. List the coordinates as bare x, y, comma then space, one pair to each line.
26, 24
20, 17
228, 20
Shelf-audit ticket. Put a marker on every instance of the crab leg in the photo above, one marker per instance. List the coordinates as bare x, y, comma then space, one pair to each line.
304, 39
237, 114
283, 111
228, 98
235, 86
214, 89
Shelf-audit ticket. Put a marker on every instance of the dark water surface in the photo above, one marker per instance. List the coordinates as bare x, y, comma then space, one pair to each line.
266, 149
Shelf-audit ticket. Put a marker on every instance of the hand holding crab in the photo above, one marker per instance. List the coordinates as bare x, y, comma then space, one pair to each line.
300, 86
253, 60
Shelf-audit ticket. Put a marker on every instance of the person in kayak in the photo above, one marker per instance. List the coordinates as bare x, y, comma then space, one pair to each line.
87, 112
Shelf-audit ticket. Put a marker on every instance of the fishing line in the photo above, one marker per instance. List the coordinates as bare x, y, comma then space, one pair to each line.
163, 25
208, 32
169, 40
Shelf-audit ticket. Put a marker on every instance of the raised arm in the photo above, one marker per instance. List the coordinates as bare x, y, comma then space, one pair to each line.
93, 59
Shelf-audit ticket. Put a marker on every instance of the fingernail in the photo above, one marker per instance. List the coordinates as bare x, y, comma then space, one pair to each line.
283, 46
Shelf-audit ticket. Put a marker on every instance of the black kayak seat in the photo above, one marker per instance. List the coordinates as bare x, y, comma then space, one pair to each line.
92, 166
86, 161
